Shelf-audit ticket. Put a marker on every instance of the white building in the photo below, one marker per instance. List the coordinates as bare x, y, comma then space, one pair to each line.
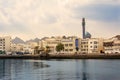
5, 43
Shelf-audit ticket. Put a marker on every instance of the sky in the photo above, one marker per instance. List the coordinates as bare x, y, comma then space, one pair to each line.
44, 18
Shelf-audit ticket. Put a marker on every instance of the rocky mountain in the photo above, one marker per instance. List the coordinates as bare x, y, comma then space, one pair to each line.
17, 40
33, 40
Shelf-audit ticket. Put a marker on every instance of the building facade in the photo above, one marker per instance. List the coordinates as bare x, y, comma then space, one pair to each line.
92, 45
69, 44
95, 45
84, 46
5, 43
112, 45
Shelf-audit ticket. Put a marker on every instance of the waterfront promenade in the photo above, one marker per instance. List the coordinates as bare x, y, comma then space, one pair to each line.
63, 56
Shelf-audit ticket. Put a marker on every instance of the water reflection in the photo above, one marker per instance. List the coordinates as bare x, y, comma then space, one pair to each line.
59, 70
2, 66
38, 65
81, 74
13, 69
84, 72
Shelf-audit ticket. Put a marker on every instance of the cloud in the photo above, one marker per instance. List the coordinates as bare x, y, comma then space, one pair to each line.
33, 18
101, 12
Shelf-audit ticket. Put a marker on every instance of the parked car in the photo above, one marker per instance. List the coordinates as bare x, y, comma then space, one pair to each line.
19, 53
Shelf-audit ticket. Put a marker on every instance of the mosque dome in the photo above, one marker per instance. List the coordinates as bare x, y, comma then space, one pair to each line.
87, 35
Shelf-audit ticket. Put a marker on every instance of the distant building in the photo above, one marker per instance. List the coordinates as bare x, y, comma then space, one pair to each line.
17, 47
108, 46
70, 45
112, 45
68, 42
95, 45
5, 43
116, 46
92, 45
50, 42
84, 46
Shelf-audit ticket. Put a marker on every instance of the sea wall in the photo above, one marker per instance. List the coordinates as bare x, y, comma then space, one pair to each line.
63, 56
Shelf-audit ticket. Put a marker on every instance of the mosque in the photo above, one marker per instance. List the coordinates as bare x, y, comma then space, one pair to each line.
84, 32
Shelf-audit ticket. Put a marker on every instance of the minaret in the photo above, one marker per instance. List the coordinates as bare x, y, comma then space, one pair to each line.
83, 27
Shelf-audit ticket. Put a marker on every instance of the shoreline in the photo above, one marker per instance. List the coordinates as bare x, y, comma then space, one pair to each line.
63, 56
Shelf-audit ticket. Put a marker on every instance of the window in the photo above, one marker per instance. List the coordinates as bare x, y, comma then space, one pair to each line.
90, 42
95, 42
66, 49
66, 44
70, 44
95, 46
71, 49
90, 46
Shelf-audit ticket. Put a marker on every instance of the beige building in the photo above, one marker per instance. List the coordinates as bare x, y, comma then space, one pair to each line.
17, 47
69, 44
116, 46
51, 43
95, 45
108, 46
92, 45
5, 43
84, 46
112, 45
23, 48
32, 44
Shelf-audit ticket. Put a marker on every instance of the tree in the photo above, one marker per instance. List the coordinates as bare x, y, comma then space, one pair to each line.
59, 47
47, 49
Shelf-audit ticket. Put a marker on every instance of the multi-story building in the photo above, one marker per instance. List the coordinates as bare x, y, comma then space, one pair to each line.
5, 43
25, 48
32, 44
51, 43
69, 44
116, 47
84, 46
17, 47
112, 45
95, 45
108, 46
92, 45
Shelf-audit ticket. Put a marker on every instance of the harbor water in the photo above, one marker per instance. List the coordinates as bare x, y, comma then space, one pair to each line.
59, 69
